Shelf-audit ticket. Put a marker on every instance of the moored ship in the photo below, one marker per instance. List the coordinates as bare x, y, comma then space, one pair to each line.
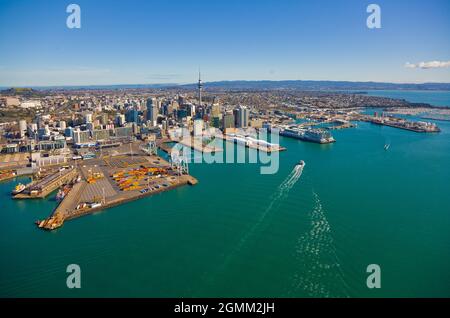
62, 193
18, 189
316, 135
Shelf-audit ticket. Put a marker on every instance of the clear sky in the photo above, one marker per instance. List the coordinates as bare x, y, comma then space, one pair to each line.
165, 41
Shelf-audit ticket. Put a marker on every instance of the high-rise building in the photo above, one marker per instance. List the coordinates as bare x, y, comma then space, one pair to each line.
215, 110
88, 118
80, 137
181, 100
243, 117
120, 119
22, 127
132, 116
228, 121
152, 110
62, 125
198, 127
190, 109
104, 119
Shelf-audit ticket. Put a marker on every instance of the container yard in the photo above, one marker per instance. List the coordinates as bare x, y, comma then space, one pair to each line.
112, 181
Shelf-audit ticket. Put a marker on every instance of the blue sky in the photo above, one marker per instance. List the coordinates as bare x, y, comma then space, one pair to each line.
165, 41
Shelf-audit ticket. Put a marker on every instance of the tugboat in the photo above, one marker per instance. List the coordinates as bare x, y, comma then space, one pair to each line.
18, 189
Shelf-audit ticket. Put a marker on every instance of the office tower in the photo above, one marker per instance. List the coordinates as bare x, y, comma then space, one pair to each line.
120, 119
132, 116
215, 110
152, 110
228, 121
243, 116
198, 127
22, 128
190, 109
80, 137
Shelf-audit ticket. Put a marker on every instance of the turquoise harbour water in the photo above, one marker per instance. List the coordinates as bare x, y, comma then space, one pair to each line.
435, 98
237, 233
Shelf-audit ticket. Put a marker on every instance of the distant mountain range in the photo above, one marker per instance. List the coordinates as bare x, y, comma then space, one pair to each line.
262, 85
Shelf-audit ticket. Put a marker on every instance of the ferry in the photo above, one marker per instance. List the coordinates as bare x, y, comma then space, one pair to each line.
320, 136
18, 189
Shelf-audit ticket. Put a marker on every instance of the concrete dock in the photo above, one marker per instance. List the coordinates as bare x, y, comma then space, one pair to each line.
42, 188
108, 191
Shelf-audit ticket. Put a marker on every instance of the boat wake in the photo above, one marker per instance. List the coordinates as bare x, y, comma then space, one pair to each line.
319, 274
280, 194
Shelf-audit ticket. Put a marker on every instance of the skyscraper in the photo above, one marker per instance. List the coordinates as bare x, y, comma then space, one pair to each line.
152, 110
228, 120
243, 117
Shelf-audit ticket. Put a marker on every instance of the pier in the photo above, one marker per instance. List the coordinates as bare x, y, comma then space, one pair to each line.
143, 176
42, 188
252, 143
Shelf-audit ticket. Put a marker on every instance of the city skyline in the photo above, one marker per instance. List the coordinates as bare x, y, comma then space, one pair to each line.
152, 43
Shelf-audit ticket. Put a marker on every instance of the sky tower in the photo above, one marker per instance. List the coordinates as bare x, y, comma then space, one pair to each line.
199, 86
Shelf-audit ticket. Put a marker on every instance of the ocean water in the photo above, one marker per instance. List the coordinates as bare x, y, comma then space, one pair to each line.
435, 98
296, 233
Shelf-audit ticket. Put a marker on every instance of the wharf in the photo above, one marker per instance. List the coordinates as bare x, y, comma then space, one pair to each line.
42, 188
198, 145
257, 147
86, 198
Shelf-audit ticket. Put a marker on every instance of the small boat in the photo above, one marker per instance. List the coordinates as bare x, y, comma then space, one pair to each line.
386, 147
18, 189
301, 163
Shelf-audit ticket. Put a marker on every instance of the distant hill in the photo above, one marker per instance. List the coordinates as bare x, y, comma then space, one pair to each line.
20, 91
319, 85
248, 85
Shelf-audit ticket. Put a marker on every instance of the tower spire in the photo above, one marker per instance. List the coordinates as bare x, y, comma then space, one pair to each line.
200, 86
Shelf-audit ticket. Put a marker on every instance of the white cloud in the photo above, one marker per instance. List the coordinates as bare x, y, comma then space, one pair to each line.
428, 65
